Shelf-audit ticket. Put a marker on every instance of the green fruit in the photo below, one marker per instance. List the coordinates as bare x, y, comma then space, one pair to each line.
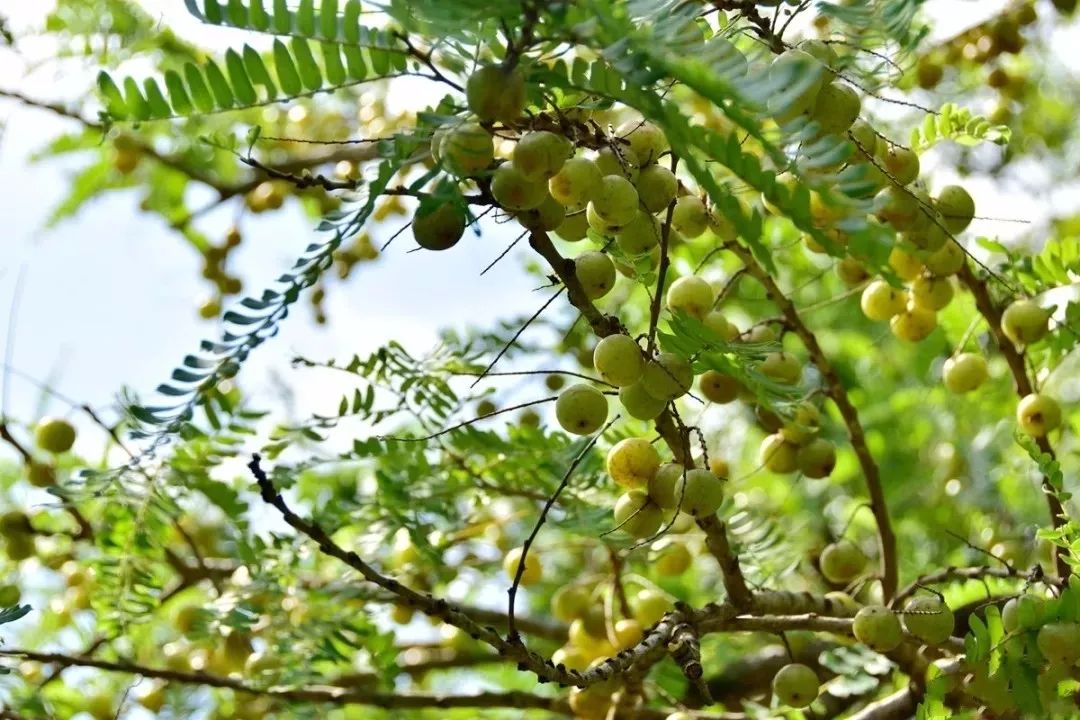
837, 106
901, 163
797, 78
964, 372
496, 94
914, 324
1023, 613
692, 295
595, 272
656, 186
718, 324
842, 561
881, 301
9, 595
719, 388
639, 404
947, 260
20, 547
1038, 414
570, 602
878, 628
671, 557
581, 409
615, 200
646, 140
928, 619
632, 462
438, 227
548, 216
600, 225
14, 523
931, 293
907, 266
864, 137
619, 361
820, 51
817, 458
575, 182
513, 191
782, 367
666, 485
956, 207
636, 516
778, 455
540, 155
41, 474
703, 493
851, 272
796, 685
667, 377
574, 227
532, 571
898, 207
1059, 643
689, 217
467, 149
640, 235
1025, 322
622, 162
54, 435
650, 607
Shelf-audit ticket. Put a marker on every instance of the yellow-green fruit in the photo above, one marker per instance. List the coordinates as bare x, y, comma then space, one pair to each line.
841, 604
615, 200
782, 367
881, 301
907, 266
650, 606
692, 295
947, 260
54, 435
513, 191
865, 139
646, 140
817, 458
402, 614
657, 187
574, 227
540, 155
878, 628
689, 217
570, 658
531, 573
703, 493
602, 226
154, 698
467, 149
667, 377
1059, 643
570, 602
9, 595
622, 162
581, 409
1025, 322
804, 424
439, 227
618, 359
718, 324
956, 207
575, 182
718, 388
20, 547
964, 372
546, 217
914, 324
99, 707
640, 235
778, 455
836, 108
1038, 414
928, 619
672, 557
1023, 613
41, 474
665, 485
639, 404
496, 94
636, 515
796, 685
591, 703
628, 633
633, 462
798, 78
842, 561
901, 163
931, 293
595, 272
851, 272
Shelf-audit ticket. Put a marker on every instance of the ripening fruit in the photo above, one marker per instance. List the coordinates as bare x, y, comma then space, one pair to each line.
530, 574
717, 323
591, 703
581, 409
153, 699
126, 159
40, 474
633, 462
9, 595
54, 435
956, 207
878, 628
703, 493
672, 557
667, 377
1022, 613
782, 367
639, 404
796, 685
570, 603
1038, 414
494, 93
820, 50
547, 216
931, 293
897, 206
615, 200
760, 334
640, 235
804, 424
600, 225
540, 155
650, 606
718, 388
665, 485
628, 633
778, 455
570, 658
964, 372
1025, 322
837, 106
99, 707
689, 217
595, 272
618, 359
1059, 643
947, 260
656, 186
901, 163
574, 227
467, 149
646, 140
842, 604
907, 266
622, 162
817, 458
636, 516
928, 619
574, 184
513, 191
930, 238
439, 227
851, 272
842, 561
914, 324
881, 301
798, 77
692, 295
719, 467
864, 137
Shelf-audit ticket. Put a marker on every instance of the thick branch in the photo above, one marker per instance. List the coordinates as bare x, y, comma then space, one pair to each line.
716, 540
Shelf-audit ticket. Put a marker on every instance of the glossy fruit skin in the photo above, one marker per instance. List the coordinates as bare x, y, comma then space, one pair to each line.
1038, 414
1025, 322
689, 217
650, 606
907, 266
633, 462
672, 558
600, 225
947, 260
719, 388
956, 207
656, 187
639, 404
575, 182
569, 603
627, 633
703, 493
41, 474
796, 685
837, 106
495, 94
715, 321
881, 301
513, 191
964, 372
596, 273
665, 485
901, 163
667, 377
570, 658
581, 409
540, 155
54, 435
467, 149
646, 140
640, 235
439, 227
532, 571
573, 228
618, 359
1022, 613
842, 561
878, 628
622, 162
801, 76
636, 515
851, 272
817, 459
914, 324
615, 200
692, 295
932, 293
782, 367
546, 217
934, 628
778, 455
1059, 643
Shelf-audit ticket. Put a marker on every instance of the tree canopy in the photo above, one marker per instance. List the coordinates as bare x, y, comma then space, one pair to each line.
789, 433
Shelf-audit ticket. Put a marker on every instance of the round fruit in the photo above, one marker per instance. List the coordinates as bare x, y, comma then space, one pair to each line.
646, 140
692, 295
595, 272
718, 324
907, 266
719, 467
650, 607
665, 485
898, 207
836, 108
636, 516
622, 162
842, 561
633, 462
672, 558
689, 217
467, 149
703, 493
549, 215
956, 207
817, 458
570, 658
796, 685
878, 628
513, 191
656, 186
570, 602
1059, 643
928, 619
639, 404
600, 225
9, 595
947, 260
628, 633
782, 367
496, 94
1025, 322
667, 377
718, 388
864, 137
931, 293
540, 155
914, 324
851, 272
54, 435
881, 301
841, 604
1022, 613
1038, 414
804, 424
640, 235
797, 77
41, 474
581, 409
438, 227
575, 182
574, 227
615, 200
591, 703
778, 455
901, 163
618, 359
531, 573
964, 372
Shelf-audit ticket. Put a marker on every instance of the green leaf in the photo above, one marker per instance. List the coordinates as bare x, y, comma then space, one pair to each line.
257, 16
351, 22
178, 95
238, 77
112, 97
305, 61
258, 73
134, 100
223, 94
159, 106
286, 70
305, 18
335, 70
354, 62
212, 12
328, 19
282, 17
200, 94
